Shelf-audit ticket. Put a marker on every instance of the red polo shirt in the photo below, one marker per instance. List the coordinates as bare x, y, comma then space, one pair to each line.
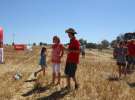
131, 49
73, 57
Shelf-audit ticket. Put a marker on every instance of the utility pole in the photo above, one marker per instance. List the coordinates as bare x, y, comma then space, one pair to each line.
13, 39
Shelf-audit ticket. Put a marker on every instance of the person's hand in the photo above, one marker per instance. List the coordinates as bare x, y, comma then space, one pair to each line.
59, 57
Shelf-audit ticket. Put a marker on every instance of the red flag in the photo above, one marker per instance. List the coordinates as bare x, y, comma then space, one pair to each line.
1, 34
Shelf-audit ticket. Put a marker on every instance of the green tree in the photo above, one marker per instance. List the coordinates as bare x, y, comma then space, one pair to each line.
82, 41
120, 38
91, 45
41, 43
34, 44
105, 44
113, 43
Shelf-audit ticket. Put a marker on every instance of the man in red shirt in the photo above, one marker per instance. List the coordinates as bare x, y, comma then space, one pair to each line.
131, 53
72, 57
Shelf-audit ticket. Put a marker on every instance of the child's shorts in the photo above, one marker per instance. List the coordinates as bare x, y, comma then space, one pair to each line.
56, 68
121, 64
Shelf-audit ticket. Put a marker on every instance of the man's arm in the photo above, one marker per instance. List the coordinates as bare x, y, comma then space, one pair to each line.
76, 51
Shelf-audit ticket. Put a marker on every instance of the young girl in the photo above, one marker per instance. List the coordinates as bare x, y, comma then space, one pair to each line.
121, 53
57, 53
42, 61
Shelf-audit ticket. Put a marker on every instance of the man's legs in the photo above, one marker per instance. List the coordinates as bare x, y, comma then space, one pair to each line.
70, 71
68, 82
76, 84
67, 70
74, 75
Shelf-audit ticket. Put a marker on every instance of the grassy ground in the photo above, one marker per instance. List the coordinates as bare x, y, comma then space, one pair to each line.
97, 76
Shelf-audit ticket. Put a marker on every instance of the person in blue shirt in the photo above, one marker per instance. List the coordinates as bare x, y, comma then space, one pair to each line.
121, 53
42, 62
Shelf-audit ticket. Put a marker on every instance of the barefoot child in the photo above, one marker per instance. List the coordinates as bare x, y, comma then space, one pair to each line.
42, 61
57, 53
121, 53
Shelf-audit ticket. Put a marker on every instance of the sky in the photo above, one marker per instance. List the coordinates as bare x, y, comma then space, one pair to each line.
37, 21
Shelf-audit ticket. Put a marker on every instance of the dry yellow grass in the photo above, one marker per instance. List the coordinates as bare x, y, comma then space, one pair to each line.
93, 73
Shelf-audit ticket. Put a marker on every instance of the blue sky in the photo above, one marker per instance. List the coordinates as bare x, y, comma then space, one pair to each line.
39, 20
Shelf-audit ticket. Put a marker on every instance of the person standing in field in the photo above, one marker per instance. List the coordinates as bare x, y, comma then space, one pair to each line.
57, 54
72, 58
42, 61
114, 51
131, 54
121, 53
83, 50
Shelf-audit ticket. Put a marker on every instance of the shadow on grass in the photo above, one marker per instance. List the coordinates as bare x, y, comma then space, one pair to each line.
131, 85
36, 90
63, 76
113, 78
33, 80
56, 95
130, 71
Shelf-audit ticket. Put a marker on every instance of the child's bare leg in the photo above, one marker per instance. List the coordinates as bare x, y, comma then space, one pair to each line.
58, 78
120, 71
128, 67
125, 70
35, 74
132, 66
43, 71
53, 78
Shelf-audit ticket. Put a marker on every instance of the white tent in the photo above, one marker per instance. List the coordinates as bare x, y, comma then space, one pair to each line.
29, 47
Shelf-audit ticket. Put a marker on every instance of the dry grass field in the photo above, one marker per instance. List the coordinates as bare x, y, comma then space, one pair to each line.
96, 75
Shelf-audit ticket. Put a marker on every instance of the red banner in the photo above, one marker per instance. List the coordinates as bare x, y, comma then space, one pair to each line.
1, 34
1, 46
19, 46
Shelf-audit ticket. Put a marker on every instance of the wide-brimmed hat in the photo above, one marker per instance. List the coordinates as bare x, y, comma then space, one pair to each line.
70, 30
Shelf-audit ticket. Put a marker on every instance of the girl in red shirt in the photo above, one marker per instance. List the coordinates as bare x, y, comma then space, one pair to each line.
57, 53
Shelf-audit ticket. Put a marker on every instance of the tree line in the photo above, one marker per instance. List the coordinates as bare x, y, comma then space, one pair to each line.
104, 44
